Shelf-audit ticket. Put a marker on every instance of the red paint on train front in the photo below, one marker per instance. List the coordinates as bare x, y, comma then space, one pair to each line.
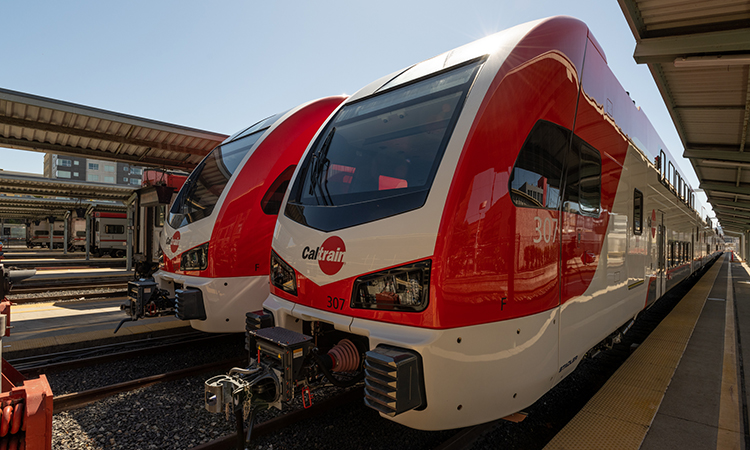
241, 238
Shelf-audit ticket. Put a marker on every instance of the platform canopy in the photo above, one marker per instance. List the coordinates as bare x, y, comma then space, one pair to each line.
29, 122
27, 196
699, 55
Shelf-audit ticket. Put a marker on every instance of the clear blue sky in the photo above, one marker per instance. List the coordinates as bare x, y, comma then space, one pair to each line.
220, 66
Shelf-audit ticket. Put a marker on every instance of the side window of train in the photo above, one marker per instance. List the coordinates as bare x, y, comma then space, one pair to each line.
662, 167
114, 229
271, 201
584, 179
591, 180
535, 179
637, 212
670, 175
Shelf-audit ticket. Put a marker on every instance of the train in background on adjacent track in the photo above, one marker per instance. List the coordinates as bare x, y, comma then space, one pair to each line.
461, 233
107, 234
217, 234
159, 187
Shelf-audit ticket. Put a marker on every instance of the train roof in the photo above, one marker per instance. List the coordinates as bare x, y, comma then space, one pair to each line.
632, 120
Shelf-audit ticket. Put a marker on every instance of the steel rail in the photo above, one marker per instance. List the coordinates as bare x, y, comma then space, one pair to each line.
89, 296
78, 358
285, 420
76, 400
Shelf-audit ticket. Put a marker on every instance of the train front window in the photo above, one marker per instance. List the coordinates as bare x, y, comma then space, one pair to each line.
204, 186
378, 156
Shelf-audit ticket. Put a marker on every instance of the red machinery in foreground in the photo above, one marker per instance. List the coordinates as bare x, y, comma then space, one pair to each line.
25, 405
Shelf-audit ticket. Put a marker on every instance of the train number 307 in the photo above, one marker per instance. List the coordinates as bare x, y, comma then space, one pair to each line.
335, 302
545, 230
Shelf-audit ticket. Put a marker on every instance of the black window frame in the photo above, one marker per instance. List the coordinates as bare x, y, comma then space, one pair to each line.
118, 229
637, 212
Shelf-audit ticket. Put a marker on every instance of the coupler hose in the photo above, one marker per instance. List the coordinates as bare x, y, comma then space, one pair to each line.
326, 365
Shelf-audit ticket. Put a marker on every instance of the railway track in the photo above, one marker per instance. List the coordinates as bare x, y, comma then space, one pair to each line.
113, 290
75, 359
285, 420
67, 287
74, 400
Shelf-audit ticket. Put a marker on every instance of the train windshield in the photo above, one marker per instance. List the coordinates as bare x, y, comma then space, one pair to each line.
204, 186
378, 156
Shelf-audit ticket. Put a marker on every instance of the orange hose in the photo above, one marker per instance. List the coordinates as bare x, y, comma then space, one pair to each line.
345, 355
5, 420
15, 425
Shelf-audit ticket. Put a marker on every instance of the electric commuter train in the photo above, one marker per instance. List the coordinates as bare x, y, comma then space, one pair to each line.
217, 235
462, 232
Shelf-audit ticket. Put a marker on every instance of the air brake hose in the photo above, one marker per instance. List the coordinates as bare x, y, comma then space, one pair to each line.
335, 381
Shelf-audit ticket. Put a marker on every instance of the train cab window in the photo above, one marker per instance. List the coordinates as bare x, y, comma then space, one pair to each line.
378, 156
637, 212
271, 201
204, 186
536, 177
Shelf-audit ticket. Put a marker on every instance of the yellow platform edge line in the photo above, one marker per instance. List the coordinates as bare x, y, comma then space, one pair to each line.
729, 403
624, 427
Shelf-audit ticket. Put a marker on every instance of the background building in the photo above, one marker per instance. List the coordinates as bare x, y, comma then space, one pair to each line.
95, 170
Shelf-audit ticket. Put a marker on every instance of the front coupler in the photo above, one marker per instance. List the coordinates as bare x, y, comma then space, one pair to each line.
283, 364
145, 299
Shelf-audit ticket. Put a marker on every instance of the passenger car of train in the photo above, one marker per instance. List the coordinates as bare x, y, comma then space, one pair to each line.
462, 232
217, 234
38, 233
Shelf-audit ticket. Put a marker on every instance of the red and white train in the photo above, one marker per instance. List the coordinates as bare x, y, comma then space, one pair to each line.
462, 232
217, 234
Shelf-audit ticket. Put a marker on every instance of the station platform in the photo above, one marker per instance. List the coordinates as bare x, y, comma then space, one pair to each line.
76, 273
685, 385
53, 263
40, 328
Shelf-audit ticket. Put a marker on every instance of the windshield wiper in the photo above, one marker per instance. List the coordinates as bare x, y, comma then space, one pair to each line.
320, 163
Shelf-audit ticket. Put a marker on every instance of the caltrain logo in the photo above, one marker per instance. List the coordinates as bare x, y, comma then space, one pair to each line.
330, 255
174, 242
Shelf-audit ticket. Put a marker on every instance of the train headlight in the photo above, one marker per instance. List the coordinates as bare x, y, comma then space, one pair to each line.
282, 275
405, 288
195, 259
